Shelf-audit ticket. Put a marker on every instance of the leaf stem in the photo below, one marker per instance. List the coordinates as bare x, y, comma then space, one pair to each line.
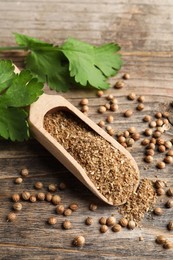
11, 48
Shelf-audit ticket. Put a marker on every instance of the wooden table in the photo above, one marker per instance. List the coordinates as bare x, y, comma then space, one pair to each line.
145, 32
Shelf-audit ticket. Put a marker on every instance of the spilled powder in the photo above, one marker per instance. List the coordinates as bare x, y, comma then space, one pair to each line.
139, 202
110, 170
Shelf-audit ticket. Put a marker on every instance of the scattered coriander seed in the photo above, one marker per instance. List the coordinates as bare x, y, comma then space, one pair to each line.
140, 107
11, 216
160, 239
131, 96
145, 142
159, 122
166, 122
123, 222
66, 224
151, 146
121, 139
126, 76
148, 132
114, 107
15, 197
99, 93
150, 152
62, 186
161, 148
85, 108
93, 207
116, 228
73, 206
158, 211
128, 113
159, 184
168, 159
109, 119
110, 221
18, 180
17, 206
147, 118
141, 99
170, 225
102, 220
52, 187
136, 136
131, 224
169, 203
101, 123
168, 245
33, 198
158, 115
56, 199
157, 134
170, 153
84, 101
89, 221
124, 144
126, 134
119, 84
161, 129
108, 127
108, 106
160, 165
25, 195
131, 130
24, 172
79, 241
103, 228
41, 196
38, 185
60, 209
67, 212
109, 97
165, 114
169, 192
111, 132
152, 124
148, 159
52, 220
160, 191
160, 141
48, 196
113, 101
141, 238
153, 140
102, 109
168, 144
130, 142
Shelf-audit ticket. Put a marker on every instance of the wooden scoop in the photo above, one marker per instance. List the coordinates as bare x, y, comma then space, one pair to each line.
47, 103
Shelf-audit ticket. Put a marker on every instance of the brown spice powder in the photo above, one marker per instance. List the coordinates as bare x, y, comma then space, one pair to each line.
108, 168
139, 202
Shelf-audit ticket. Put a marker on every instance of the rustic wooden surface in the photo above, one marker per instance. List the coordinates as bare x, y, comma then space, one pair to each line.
144, 30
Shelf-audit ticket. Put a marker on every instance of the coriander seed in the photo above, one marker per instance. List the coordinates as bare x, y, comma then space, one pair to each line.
170, 225
56, 199
15, 197
126, 76
161, 148
136, 136
93, 207
153, 140
168, 144
160, 141
119, 84
159, 184
88, 221
140, 107
158, 115
160, 191
114, 107
79, 241
102, 220
67, 212
165, 114
168, 245
103, 228
18, 180
41, 196
110, 119
38, 185
131, 96
157, 134
159, 122
141, 99
169, 204
158, 211
52, 187
85, 108
148, 159
148, 132
131, 130
84, 101
170, 153
74, 206
152, 124
62, 186
131, 224
130, 142
17, 206
121, 139
123, 222
128, 113
147, 118
101, 123
160, 239
33, 198
60, 209
108, 127
160, 165
110, 97
126, 134
48, 196
24, 172
110, 221
102, 109
150, 152
151, 146
168, 159
52, 220
108, 106
111, 132
113, 101
99, 93
169, 192
116, 228
67, 224
25, 195
145, 142
11, 216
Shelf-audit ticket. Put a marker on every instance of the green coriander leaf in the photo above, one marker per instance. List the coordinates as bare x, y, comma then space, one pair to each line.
6, 74
13, 124
46, 62
90, 64
23, 91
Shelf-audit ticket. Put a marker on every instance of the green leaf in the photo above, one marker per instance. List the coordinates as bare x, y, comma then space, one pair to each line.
6, 74
24, 90
13, 124
90, 64
30, 42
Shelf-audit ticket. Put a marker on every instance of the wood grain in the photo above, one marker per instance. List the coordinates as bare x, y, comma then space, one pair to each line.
144, 30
